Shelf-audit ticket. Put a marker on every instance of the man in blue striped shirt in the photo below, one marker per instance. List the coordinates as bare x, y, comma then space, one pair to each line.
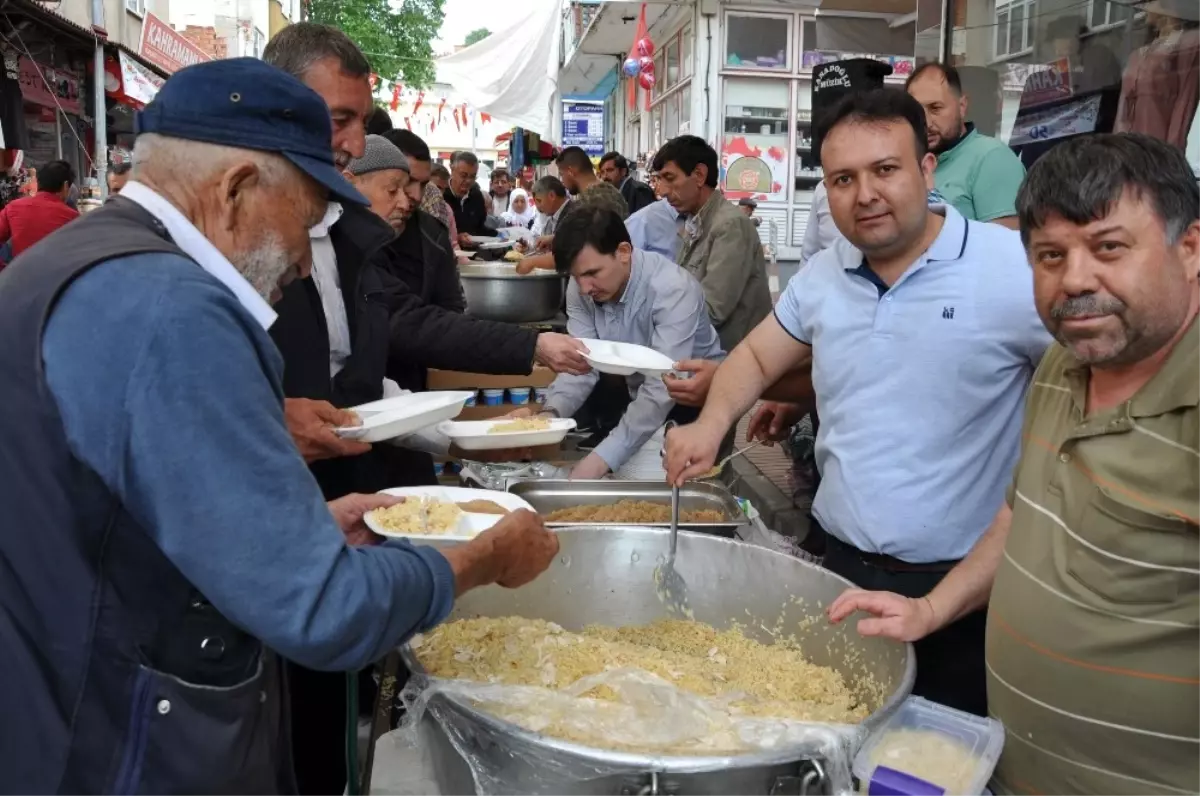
620, 294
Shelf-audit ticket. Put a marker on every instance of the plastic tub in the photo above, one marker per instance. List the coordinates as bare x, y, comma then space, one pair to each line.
540, 394
519, 395
926, 748
493, 397
473, 400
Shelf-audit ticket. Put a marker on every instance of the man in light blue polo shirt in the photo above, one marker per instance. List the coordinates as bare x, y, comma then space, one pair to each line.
922, 335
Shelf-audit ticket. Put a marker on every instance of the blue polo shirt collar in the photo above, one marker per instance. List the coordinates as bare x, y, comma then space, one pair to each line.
950, 244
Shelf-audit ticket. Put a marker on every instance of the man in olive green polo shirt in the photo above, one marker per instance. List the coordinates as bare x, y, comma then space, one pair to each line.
1091, 571
976, 173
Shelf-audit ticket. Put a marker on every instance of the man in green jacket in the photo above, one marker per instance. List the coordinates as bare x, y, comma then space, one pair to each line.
720, 247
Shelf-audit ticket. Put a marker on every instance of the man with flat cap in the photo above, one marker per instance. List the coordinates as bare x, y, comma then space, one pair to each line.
164, 541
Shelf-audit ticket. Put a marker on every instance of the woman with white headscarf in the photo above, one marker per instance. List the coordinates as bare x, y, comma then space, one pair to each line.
520, 211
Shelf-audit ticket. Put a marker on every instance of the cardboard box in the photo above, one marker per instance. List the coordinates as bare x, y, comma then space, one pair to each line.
459, 380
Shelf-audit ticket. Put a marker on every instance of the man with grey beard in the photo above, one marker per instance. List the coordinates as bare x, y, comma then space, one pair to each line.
164, 545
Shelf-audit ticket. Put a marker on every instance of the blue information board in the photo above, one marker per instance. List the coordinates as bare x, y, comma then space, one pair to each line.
583, 126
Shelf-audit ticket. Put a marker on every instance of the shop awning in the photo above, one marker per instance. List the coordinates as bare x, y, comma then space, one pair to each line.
588, 77
511, 74
130, 80
53, 19
612, 29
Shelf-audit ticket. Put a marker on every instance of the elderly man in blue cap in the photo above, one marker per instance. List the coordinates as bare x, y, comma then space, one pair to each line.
163, 540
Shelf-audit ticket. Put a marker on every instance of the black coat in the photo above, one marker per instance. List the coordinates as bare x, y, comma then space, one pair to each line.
469, 214
370, 294
428, 326
637, 194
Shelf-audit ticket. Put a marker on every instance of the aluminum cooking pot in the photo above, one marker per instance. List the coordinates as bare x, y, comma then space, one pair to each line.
498, 293
605, 575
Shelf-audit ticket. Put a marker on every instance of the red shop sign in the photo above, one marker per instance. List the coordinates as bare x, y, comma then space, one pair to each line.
165, 48
49, 87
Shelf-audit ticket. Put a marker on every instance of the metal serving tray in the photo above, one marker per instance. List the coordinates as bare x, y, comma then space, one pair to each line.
547, 496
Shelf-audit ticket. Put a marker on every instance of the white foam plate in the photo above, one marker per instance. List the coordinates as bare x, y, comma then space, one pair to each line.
626, 359
469, 525
472, 435
404, 414
494, 243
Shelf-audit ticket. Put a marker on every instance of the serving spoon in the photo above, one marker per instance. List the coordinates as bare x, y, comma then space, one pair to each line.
671, 587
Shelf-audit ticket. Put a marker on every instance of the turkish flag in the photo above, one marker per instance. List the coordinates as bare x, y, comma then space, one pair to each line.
484, 117
420, 99
395, 97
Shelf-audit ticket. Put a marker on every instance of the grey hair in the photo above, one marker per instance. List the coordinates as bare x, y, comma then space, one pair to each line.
1082, 179
301, 45
464, 157
164, 158
549, 184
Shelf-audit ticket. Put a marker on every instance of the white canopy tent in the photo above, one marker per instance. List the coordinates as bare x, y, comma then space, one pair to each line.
512, 74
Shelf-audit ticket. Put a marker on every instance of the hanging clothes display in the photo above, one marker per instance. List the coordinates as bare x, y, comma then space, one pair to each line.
1160, 87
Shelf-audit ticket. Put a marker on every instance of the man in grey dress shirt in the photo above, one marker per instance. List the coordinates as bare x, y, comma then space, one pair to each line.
620, 294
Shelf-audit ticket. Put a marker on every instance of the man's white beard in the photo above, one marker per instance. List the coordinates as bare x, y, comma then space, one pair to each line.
264, 265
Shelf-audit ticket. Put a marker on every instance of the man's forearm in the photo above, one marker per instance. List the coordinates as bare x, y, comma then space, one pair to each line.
735, 387
966, 588
473, 565
794, 387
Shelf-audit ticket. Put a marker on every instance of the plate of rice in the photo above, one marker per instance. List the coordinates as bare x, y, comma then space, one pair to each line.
442, 513
506, 432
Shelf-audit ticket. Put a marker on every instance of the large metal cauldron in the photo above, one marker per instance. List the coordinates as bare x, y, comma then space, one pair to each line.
604, 575
498, 293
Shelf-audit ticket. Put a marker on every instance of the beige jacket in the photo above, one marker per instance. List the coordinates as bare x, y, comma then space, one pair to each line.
721, 248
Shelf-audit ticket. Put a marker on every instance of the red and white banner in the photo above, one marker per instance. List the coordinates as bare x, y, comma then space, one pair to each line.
129, 82
165, 48
49, 87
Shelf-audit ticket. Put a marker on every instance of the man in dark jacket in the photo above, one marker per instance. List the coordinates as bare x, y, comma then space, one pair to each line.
614, 169
334, 344
466, 199
429, 327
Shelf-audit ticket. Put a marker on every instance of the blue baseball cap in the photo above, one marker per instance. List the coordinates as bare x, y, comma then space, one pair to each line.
249, 104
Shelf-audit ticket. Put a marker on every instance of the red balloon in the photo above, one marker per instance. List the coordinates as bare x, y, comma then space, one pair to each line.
644, 48
646, 80
646, 65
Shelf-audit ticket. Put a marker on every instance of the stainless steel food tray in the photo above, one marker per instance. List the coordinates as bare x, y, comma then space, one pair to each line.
549, 495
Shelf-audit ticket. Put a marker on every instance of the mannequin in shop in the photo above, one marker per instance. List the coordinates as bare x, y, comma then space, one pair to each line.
1161, 84
1093, 70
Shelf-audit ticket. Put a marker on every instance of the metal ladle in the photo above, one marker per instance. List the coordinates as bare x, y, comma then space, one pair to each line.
671, 587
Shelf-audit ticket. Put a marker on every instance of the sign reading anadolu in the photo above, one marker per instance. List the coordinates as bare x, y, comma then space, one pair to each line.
165, 48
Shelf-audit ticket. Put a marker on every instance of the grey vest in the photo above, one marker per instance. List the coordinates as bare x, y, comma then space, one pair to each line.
116, 675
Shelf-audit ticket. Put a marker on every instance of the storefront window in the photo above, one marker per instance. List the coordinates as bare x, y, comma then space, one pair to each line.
672, 75
1103, 14
757, 42
671, 117
685, 110
807, 169
1014, 27
754, 145
858, 35
1038, 72
685, 58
